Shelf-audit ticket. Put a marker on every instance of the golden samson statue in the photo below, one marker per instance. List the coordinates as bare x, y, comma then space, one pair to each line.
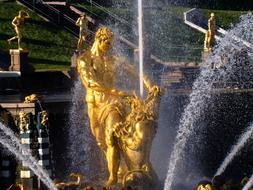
123, 124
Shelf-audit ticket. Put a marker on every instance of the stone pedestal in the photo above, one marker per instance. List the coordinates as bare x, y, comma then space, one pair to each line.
19, 59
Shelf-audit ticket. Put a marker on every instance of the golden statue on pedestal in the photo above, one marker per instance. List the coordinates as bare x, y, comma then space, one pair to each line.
23, 121
18, 23
122, 124
209, 36
33, 98
82, 22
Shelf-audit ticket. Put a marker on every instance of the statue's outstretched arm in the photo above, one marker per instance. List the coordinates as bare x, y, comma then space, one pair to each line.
78, 22
14, 21
27, 15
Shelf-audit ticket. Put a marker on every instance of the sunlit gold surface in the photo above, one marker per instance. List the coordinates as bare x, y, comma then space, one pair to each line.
18, 23
82, 22
123, 124
44, 118
205, 187
209, 37
33, 98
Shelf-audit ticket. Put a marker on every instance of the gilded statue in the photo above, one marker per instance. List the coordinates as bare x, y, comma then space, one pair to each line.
44, 118
205, 185
18, 23
210, 34
82, 22
23, 121
122, 124
33, 98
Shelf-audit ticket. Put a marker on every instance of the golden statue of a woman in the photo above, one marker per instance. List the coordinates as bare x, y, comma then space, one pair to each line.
121, 123
18, 23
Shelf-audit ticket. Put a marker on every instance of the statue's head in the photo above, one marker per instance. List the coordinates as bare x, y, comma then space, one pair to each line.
103, 40
205, 185
212, 15
22, 13
83, 15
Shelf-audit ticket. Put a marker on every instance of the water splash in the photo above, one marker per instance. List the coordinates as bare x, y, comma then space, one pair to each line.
12, 143
225, 55
82, 150
242, 141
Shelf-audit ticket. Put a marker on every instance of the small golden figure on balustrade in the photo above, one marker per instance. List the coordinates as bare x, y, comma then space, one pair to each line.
210, 34
82, 22
18, 23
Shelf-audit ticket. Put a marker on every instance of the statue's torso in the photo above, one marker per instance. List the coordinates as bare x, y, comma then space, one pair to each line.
83, 25
20, 21
98, 72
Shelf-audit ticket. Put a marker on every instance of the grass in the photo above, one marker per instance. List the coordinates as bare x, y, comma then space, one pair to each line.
166, 35
50, 48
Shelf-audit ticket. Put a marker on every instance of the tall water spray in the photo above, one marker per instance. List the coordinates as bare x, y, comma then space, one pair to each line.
12, 143
242, 141
140, 34
202, 88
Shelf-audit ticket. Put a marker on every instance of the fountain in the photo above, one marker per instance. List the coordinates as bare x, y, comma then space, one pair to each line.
12, 143
224, 56
122, 125
235, 150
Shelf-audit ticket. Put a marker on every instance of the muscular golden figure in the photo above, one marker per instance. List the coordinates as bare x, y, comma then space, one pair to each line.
18, 23
82, 22
122, 124
105, 107
209, 37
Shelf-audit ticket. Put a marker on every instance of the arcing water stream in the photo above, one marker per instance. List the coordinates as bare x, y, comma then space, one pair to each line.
226, 54
242, 141
12, 143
